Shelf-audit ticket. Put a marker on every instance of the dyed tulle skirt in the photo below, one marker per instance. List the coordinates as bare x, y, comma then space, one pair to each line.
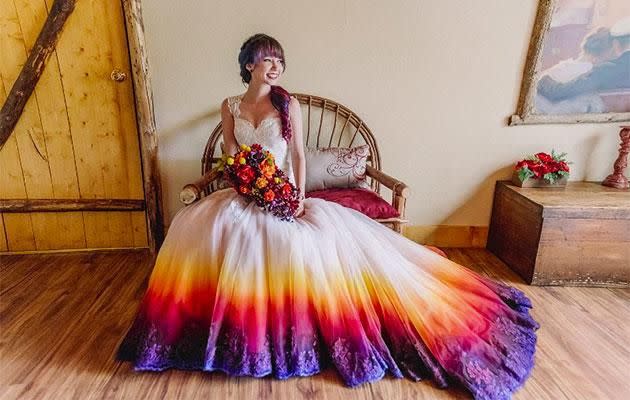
237, 290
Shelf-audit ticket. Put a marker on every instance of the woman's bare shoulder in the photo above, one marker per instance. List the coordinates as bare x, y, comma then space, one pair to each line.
225, 106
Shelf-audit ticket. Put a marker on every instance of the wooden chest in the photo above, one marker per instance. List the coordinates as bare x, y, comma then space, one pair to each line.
577, 235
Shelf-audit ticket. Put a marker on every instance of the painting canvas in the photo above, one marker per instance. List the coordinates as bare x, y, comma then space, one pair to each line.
578, 67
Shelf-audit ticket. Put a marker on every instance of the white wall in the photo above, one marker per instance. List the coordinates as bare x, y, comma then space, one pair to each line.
435, 80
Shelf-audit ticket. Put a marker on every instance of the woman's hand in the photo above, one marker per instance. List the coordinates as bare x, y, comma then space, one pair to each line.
300, 210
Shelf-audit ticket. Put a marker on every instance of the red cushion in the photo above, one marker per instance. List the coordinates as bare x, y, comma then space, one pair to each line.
436, 250
362, 200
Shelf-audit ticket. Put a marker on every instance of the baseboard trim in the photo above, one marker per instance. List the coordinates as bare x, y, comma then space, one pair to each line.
434, 235
448, 235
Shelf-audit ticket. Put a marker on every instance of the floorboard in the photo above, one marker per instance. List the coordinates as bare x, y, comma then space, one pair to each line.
62, 317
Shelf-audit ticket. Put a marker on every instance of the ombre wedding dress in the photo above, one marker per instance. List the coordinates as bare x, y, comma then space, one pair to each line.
236, 289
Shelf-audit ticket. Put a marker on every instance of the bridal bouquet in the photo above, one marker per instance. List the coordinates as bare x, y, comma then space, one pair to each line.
549, 167
253, 173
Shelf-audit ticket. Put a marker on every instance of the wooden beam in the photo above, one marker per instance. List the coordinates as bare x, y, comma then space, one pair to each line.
61, 205
32, 70
146, 122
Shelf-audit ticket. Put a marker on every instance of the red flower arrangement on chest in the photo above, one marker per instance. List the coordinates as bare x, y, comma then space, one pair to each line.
253, 173
551, 168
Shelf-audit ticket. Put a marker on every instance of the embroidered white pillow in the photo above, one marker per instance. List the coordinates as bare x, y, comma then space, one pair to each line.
336, 167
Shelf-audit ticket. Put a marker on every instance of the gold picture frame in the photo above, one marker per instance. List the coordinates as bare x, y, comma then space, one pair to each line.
526, 112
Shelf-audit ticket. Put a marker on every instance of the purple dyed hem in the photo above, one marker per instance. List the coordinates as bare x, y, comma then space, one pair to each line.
228, 372
264, 374
492, 369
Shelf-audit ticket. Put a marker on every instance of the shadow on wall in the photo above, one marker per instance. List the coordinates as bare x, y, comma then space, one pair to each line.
179, 175
180, 148
448, 233
590, 164
481, 198
169, 134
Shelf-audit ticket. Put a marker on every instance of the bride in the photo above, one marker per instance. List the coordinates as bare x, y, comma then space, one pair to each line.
237, 290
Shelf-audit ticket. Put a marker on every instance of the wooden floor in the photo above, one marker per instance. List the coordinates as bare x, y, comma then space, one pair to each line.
62, 317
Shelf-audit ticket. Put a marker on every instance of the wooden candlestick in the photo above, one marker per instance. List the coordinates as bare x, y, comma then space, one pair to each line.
617, 178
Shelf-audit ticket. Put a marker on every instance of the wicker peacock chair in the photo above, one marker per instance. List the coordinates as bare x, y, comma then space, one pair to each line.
322, 119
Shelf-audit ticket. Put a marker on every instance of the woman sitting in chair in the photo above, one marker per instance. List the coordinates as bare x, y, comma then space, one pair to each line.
238, 290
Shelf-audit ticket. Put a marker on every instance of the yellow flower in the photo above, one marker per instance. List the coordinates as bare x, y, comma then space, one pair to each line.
242, 160
230, 161
245, 147
277, 180
261, 182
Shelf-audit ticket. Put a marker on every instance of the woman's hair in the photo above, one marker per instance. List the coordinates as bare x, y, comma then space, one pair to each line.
252, 51
255, 49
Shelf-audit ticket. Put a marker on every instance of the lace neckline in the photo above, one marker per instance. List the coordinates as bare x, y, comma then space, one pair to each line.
262, 121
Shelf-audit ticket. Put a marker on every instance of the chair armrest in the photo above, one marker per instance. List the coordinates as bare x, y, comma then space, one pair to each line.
398, 187
400, 191
192, 191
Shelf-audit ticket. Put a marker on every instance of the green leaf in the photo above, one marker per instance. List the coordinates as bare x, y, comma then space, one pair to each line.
550, 177
560, 157
525, 173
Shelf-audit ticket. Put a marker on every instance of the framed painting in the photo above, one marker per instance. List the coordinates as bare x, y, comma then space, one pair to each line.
578, 64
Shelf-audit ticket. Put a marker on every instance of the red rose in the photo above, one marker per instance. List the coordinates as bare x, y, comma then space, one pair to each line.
531, 163
245, 174
243, 189
521, 164
269, 195
546, 168
544, 157
553, 166
286, 190
564, 166
256, 147
537, 169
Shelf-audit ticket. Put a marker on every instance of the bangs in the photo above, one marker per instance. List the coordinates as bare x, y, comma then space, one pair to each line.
267, 47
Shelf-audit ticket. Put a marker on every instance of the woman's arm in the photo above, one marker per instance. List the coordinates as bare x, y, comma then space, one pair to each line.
229, 141
297, 145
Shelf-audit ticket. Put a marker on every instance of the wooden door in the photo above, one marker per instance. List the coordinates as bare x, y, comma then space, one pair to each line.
77, 140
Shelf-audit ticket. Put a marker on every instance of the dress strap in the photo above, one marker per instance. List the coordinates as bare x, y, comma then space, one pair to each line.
233, 105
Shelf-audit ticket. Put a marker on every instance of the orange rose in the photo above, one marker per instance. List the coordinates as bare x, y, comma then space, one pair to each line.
267, 169
269, 195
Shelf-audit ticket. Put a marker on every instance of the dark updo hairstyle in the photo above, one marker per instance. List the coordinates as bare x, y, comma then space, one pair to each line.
252, 51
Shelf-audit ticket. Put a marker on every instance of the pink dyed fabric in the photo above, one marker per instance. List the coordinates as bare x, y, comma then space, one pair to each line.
363, 200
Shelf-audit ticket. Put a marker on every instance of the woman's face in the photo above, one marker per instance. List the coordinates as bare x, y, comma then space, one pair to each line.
268, 70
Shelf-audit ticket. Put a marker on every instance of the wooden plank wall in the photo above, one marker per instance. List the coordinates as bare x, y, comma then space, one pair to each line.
77, 137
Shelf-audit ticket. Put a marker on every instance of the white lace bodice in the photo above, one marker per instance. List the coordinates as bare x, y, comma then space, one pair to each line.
268, 134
